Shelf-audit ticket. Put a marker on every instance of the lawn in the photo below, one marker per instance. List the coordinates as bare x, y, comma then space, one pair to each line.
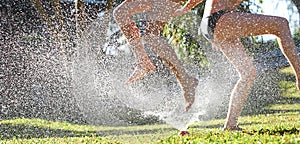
278, 122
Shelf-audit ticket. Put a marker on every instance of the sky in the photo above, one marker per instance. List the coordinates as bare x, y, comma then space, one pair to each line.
280, 8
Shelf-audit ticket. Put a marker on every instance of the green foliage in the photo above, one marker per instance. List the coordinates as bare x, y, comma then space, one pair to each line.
184, 34
256, 44
297, 37
188, 48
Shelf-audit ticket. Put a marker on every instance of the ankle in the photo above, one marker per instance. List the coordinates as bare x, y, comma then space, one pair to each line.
191, 82
145, 62
232, 128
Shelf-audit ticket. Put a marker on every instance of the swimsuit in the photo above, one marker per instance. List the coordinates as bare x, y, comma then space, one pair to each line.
209, 23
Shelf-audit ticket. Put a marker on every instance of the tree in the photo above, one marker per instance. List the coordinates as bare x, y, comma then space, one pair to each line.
184, 34
297, 4
34, 37
55, 15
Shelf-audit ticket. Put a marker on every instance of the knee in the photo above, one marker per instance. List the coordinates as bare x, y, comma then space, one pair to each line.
281, 26
253, 74
117, 14
249, 74
120, 14
283, 21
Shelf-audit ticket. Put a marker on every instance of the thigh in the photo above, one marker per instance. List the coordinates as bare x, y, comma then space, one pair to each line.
237, 25
162, 10
124, 12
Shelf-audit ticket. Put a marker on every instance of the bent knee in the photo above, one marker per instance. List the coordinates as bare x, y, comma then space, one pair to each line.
122, 16
249, 74
283, 21
118, 14
281, 26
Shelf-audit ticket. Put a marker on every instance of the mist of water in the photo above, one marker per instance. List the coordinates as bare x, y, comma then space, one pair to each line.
102, 95
42, 79
38, 79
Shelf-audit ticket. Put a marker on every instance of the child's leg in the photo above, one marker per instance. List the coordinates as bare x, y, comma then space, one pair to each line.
287, 46
236, 54
168, 55
160, 14
237, 25
123, 14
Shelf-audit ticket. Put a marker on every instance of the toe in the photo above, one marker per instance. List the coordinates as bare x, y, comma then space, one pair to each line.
183, 133
137, 74
140, 71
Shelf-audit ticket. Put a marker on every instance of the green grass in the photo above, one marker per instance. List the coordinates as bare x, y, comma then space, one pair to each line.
280, 123
288, 85
279, 127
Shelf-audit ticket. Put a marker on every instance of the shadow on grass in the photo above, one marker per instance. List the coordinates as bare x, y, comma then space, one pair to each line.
11, 131
279, 131
221, 125
267, 92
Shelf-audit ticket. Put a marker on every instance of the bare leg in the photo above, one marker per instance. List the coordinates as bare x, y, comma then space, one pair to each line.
168, 55
237, 25
235, 52
122, 15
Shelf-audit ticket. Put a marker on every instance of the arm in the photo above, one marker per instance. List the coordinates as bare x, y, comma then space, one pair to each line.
187, 7
191, 4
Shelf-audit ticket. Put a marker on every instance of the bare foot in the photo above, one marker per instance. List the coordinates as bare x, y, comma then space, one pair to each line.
141, 70
183, 133
232, 128
189, 92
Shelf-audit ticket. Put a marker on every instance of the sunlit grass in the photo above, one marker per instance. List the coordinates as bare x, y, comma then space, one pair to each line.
280, 127
287, 70
288, 89
75, 127
64, 140
284, 107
